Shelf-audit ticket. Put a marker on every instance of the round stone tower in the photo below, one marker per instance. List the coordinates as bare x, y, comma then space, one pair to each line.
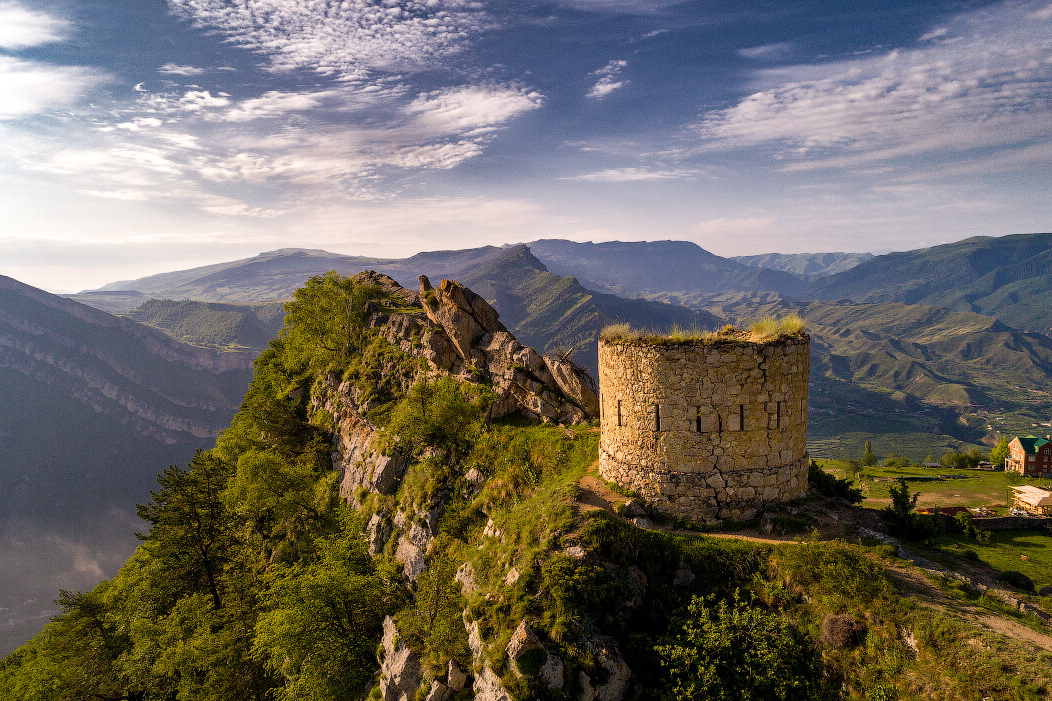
705, 429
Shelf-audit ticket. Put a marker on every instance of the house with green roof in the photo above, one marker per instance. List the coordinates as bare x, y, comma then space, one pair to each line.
1030, 456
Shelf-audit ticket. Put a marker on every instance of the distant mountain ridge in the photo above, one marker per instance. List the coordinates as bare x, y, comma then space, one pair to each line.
1009, 277
641, 268
806, 264
274, 275
553, 313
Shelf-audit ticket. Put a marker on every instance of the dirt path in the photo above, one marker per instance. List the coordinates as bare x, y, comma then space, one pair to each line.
596, 495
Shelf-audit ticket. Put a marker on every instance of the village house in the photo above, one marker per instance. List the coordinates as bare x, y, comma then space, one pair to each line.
1033, 500
1030, 456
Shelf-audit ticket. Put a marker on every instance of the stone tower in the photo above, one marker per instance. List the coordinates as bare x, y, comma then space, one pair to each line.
705, 429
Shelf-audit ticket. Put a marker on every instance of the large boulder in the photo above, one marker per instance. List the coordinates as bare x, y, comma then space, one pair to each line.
462, 314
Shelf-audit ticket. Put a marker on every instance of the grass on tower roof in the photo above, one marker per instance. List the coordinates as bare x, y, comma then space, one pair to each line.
762, 330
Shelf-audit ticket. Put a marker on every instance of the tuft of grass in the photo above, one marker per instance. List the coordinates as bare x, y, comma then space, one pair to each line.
762, 331
769, 328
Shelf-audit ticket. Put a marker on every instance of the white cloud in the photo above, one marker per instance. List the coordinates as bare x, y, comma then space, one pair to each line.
767, 51
349, 38
21, 28
628, 175
198, 100
176, 69
29, 87
986, 81
609, 79
470, 109
275, 104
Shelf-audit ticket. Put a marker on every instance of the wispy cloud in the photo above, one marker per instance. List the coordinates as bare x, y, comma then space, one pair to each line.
982, 80
31, 87
176, 69
766, 51
609, 79
632, 7
627, 175
471, 110
21, 27
349, 38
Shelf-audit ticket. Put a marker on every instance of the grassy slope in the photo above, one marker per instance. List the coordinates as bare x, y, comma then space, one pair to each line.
1007, 277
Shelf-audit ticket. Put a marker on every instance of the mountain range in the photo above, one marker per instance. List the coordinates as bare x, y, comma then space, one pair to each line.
1008, 277
919, 349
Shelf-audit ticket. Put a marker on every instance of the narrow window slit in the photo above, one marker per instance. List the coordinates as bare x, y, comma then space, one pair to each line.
619, 412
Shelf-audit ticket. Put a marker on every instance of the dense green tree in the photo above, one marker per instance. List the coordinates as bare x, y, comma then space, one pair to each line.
325, 321
962, 460
733, 650
869, 458
191, 530
443, 413
1000, 452
321, 620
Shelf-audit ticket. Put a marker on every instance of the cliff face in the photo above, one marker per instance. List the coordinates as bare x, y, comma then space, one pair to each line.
92, 407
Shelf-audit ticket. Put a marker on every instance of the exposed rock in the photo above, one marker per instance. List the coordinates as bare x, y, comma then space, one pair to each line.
379, 530
356, 445
462, 314
439, 692
465, 576
575, 551
512, 576
488, 687
456, 678
616, 675
633, 508
683, 577
552, 672
412, 547
400, 674
491, 531
524, 649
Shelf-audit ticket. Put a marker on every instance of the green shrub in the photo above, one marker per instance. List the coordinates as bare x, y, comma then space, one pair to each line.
737, 650
831, 486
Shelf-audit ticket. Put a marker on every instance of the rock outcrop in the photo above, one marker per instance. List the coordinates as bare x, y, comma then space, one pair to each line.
400, 673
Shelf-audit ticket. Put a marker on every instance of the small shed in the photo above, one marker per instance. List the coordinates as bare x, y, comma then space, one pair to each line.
1033, 500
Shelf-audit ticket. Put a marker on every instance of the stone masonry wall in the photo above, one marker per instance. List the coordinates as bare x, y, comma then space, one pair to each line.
705, 430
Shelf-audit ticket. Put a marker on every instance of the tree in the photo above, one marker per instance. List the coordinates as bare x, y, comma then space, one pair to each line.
192, 532
1000, 452
868, 457
900, 518
322, 618
732, 650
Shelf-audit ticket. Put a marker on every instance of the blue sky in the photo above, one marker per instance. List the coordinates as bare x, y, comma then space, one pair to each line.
138, 137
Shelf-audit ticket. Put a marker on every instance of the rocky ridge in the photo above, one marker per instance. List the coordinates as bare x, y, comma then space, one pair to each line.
455, 333
458, 334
